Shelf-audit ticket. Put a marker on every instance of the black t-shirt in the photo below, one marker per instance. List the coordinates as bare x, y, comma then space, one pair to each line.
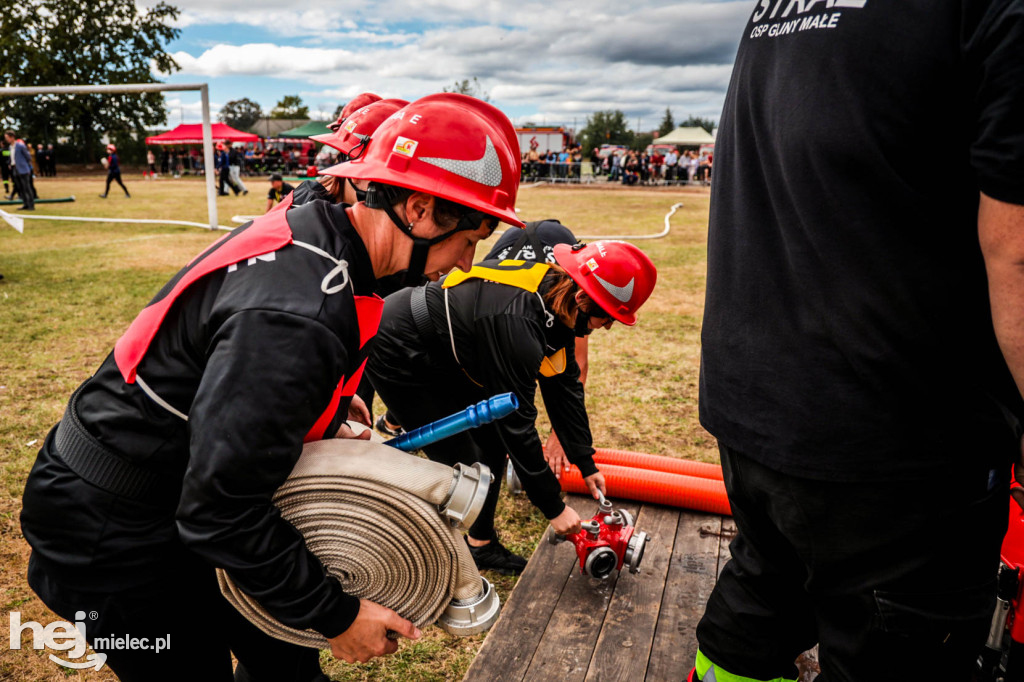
847, 332
278, 195
523, 244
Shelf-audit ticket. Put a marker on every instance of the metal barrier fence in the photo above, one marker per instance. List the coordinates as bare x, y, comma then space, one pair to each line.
586, 172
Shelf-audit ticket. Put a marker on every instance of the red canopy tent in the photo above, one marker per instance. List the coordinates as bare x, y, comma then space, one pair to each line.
192, 133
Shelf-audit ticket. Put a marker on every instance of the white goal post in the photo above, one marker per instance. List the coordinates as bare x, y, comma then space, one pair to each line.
203, 88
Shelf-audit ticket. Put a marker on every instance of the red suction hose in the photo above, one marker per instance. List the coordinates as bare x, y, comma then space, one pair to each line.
656, 487
672, 465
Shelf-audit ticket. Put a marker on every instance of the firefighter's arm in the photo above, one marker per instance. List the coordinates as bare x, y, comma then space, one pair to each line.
1001, 234
268, 377
554, 453
511, 349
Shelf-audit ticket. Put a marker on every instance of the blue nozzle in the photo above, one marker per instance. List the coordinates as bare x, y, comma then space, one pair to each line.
484, 412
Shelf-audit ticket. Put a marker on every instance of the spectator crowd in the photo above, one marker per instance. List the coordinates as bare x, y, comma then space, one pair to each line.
655, 166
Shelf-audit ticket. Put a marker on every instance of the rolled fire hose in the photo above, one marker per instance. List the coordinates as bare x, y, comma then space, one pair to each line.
384, 523
657, 487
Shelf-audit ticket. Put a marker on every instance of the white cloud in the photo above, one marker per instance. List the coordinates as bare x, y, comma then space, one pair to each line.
562, 61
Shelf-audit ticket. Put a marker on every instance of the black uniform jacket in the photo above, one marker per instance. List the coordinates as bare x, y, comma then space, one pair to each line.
501, 338
259, 355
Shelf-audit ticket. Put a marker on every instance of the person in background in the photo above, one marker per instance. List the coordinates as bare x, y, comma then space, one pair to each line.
113, 172
150, 172
862, 349
5, 168
235, 162
21, 170
279, 189
222, 165
671, 159
51, 160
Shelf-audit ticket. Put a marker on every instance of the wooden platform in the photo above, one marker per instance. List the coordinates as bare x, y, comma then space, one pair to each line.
559, 625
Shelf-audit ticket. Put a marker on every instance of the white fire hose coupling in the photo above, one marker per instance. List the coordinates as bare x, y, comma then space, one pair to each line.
468, 493
465, 617
370, 513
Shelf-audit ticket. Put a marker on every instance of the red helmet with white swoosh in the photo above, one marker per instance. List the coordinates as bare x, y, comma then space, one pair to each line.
352, 135
451, 146
618, 276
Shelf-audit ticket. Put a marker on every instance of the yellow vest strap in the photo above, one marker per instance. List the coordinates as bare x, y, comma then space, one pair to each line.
521, 274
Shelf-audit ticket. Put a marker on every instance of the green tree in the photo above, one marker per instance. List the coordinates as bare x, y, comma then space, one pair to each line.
605, 127
667, 124
641, 141
63, 42
290, 106
337, 111
469, 87
707, 124
241, 113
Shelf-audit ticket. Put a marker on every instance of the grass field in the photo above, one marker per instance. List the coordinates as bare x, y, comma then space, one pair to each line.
70, 290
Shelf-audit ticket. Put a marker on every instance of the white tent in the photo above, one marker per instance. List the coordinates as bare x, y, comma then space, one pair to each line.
690, 137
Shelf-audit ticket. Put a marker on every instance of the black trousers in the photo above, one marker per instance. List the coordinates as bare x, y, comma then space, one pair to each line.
893, 580
114, 176
23, 187
224, 177
188, 613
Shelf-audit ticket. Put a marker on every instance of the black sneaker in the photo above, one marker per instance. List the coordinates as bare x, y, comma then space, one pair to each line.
382, 425
494, 556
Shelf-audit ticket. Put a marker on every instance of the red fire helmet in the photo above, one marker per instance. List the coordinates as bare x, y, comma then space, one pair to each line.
111, 148
355, 104
618, 276
220, 146
451, 146
359, 126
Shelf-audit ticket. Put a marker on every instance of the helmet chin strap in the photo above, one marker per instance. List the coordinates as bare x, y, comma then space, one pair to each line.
420, 247
360, 193
379, 197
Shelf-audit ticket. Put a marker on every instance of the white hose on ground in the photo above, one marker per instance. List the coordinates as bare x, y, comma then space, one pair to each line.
142, 221
369, 512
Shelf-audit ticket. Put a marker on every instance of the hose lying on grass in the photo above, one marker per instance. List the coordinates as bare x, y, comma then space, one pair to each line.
370, 513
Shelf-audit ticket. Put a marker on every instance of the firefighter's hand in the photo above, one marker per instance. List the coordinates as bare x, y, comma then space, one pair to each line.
367, 637
346, 431
595, 483
358, 412
566, 523
1018, 475
554, 455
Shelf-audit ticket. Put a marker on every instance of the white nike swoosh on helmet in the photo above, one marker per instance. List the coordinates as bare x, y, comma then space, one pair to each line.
486, 170
623, 294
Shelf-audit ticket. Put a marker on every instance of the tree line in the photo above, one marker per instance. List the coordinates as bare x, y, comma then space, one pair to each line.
611, 127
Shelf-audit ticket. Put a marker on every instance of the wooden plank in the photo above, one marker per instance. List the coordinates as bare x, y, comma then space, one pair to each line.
568, 643
508, 649
624, 646
691, 576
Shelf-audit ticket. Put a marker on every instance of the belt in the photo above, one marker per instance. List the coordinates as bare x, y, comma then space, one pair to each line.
98, 465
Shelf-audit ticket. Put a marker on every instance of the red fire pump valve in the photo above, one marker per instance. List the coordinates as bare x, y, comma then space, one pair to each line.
607, 542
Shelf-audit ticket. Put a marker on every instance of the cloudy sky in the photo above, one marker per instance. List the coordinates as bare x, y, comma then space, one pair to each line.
549, 62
